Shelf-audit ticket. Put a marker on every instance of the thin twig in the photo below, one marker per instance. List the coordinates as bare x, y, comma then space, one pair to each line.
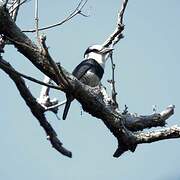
78, 10
121, 14
37, 21
114, 93
55, 106
112, 82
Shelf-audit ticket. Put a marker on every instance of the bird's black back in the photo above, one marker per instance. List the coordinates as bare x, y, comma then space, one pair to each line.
86, 65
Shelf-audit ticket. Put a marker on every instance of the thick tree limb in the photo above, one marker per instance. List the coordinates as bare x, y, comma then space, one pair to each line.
149, 137
138, 123
36, 109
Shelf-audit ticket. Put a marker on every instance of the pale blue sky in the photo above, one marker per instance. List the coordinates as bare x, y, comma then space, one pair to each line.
147, 73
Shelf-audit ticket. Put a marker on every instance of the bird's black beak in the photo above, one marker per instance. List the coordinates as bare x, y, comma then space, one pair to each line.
106, 50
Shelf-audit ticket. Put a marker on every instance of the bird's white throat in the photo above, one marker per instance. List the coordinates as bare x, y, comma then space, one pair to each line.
100, 58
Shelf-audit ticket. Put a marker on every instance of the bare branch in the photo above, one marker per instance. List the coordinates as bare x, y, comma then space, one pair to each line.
36, 109
149, 137
78, 10
112, 82
136, 123
117, 34
111, 41
45, 100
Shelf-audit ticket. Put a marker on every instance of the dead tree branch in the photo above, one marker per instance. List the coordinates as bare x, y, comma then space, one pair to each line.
111, 41
163, 134
31, 51
138, 123
36, 109
37, 21
45, 100
117, 34
112, 82
125, 127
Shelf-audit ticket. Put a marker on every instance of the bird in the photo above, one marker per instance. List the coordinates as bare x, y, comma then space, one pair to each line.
90, 71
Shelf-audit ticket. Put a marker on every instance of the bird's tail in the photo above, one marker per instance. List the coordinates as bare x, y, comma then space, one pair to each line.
67, 106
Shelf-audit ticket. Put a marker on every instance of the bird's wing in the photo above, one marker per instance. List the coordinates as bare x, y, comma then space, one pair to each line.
82, 68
